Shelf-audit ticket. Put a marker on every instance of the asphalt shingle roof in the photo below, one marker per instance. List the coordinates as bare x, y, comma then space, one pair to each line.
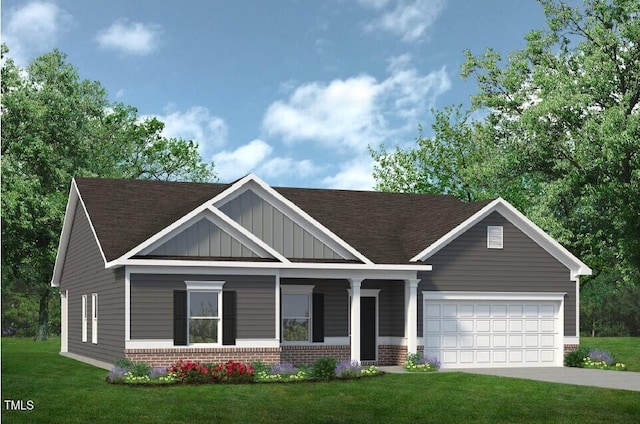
387, 228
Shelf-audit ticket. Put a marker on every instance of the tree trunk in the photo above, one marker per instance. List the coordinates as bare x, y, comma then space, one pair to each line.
43, 316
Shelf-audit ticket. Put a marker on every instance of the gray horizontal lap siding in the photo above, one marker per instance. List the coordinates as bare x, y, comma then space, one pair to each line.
391, 305
152, 304
276, 229
83, 274
466, 264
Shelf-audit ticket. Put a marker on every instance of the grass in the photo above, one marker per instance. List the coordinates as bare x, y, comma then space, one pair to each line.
623, 349
66, 391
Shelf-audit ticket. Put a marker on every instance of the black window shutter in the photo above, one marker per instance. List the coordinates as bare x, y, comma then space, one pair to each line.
229, 317
180, 317
318, 317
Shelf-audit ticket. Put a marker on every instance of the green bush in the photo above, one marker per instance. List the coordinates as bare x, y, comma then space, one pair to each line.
325, 368
576, 357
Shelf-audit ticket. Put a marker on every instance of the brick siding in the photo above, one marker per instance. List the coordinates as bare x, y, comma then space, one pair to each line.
299, 355
166, 357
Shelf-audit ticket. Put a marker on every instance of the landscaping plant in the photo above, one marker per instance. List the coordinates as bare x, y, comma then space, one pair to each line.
419, 362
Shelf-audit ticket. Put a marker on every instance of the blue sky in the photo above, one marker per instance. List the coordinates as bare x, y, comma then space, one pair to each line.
293, 91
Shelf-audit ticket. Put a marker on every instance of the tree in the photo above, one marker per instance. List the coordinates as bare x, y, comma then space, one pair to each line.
56, 126
559, 137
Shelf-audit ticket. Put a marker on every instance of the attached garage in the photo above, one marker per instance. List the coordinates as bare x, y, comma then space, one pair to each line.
486, 330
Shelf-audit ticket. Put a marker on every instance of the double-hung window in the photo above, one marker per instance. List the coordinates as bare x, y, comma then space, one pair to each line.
94, 318
84, 318
204, 300
296, 313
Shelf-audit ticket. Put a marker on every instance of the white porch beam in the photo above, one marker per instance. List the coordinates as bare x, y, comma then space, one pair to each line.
411, 318
355, 318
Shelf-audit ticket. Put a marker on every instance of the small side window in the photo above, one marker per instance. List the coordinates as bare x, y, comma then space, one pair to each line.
494, 237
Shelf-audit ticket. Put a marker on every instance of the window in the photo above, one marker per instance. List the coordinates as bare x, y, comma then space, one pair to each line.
296, 313
494, 237
205, 312
84, 318
94, 318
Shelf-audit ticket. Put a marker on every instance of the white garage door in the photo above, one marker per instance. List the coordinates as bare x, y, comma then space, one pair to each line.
474, 330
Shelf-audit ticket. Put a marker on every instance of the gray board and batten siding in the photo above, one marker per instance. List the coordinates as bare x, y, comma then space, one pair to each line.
84, 274
466, 264
277, 230
205, 239
152, 304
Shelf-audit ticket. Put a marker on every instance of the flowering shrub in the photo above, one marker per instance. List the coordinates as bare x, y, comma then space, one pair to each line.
282, 372
138, 373
593, 358
190, 372
419, 362
117, 375
348, 369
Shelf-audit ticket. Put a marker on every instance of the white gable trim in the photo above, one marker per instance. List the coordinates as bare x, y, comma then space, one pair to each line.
65, 235
524, 224
292, 211
214, 215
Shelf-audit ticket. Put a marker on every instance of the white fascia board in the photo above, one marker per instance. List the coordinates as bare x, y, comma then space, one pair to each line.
291, 210
284, 270
524, 224
65, 234
493, 296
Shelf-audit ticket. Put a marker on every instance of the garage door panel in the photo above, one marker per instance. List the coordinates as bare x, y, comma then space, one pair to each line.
547, 356
489, 333
515, 340
466, 342
499, 310
465, 326
500, 356
483, 325
547, 326
432, 342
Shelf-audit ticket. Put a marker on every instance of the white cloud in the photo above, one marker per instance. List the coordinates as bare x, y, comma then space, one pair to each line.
231, 165
130, 37
351, 114
341, 113
34, 29
408, 19
355, 174
197, 124
284, 166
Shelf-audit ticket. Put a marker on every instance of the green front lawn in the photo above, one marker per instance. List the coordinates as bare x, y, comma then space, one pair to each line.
66, 391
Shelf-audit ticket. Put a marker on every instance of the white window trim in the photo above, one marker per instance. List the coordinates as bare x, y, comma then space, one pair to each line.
494, 231
295, 289
205, 286
94, 318
84, 318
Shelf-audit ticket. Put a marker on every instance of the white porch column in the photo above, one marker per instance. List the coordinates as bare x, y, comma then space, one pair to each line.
355, 318
411, 318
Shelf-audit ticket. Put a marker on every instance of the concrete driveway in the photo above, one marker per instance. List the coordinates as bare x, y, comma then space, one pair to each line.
623, 380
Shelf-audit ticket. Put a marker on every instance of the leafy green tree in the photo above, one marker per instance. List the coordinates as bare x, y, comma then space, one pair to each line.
559, 137
56, 126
